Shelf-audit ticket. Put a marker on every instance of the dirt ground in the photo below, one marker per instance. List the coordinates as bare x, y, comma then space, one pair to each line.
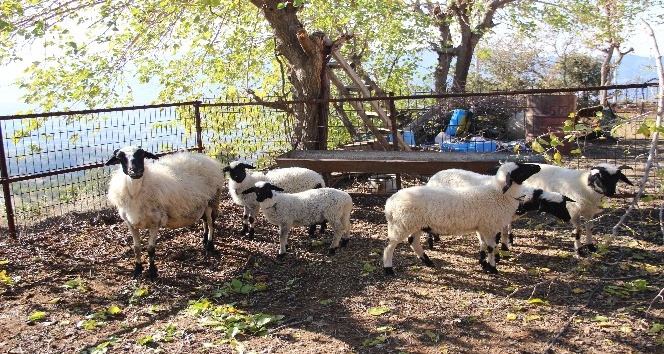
66, 287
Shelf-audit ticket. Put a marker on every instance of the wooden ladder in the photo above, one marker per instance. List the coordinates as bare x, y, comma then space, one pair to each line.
364, 92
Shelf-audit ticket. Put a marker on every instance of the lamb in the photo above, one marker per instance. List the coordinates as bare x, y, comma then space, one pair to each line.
291, 179
484, 209
533, 199
587, 187
175, 191
304, 209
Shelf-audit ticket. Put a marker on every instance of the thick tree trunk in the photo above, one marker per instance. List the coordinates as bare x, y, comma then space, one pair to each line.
605, 73
306, 57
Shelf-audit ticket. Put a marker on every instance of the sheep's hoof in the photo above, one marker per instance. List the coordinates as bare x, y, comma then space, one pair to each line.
344, 242
332, 251
138, 269
312, 230
281, 256
389, 271
591, 247
488, 268
430, 242
497, 257
250, 235
583, 252
511, 238
425, 259
152, 271
209, 249
245, 229
504, 247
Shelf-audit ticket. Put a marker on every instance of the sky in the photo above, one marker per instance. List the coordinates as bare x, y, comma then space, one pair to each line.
11, 102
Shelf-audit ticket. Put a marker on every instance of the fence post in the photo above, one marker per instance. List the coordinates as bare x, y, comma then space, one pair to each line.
393, 122
4, 177
199, 129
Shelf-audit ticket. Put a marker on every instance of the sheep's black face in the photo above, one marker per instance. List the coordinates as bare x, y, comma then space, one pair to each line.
555, 208
132, 160
604, 178
523, 172
263, 194
530, 203
238, 171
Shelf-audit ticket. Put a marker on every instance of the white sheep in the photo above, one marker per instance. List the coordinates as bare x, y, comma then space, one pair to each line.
482, 209
587, 187
291, 179
310, 207
175, 191
533, 199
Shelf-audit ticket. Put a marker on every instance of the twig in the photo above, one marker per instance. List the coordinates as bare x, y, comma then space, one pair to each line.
286, 324
659, 296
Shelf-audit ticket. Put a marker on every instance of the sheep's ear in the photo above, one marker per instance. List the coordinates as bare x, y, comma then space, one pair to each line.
623, 178
275, 188
508, 182
227, 168
492, 170
568, 199
150, 155
246, 165
624, 167
249, 190
114, 159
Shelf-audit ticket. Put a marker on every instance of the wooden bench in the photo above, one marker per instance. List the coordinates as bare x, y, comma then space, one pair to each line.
397, 162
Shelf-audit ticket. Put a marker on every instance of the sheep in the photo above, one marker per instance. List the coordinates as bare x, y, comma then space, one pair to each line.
533, 199
587, 187
291, 179
174, 192
304, 209
484, 209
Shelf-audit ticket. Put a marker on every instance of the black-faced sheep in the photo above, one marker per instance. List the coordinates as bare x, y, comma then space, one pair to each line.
533, 199
587, 187
291, 180
307, 208
483, 209
175, 191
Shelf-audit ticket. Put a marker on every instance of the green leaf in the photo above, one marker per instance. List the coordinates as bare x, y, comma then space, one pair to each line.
433, 337
537, 301
377, 311
512, 316
368, 267
37, 316
578, 290
325, 302
656, 327
114, 310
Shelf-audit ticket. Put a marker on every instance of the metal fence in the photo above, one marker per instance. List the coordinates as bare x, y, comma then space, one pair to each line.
52, 164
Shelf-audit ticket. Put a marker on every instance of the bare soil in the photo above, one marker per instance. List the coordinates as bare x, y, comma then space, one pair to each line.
73, 276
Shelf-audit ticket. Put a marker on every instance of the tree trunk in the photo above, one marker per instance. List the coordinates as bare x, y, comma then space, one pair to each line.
605, 74
306, 57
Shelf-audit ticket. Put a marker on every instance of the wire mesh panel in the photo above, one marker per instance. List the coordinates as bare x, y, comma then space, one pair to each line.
55, 163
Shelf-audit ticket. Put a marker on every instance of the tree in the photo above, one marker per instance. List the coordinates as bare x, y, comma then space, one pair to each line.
93, 48
472, 19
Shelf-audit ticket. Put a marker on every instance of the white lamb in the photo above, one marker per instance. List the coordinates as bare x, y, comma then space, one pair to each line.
175, 191
304, 209
533, 199
482, 209
291, 179
587, 187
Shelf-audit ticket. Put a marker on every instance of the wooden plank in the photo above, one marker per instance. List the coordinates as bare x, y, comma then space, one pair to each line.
420, 162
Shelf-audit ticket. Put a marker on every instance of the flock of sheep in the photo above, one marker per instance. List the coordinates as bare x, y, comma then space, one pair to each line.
182, 188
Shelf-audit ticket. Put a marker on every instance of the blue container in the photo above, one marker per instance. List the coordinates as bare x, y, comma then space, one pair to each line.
408, 137
471, 146
459, 123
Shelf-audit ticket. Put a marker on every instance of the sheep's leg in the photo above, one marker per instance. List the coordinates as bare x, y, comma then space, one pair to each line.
208, 230
388, 253
138, 266
152, 242
245, 220
589, 236
283, 240
252, 214
487, 256
576, 233
506, 238
416, 245
340, 228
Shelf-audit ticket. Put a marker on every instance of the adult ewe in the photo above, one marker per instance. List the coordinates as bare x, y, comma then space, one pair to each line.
291, 180
587, 187
533, 199
482, 209
175, 191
